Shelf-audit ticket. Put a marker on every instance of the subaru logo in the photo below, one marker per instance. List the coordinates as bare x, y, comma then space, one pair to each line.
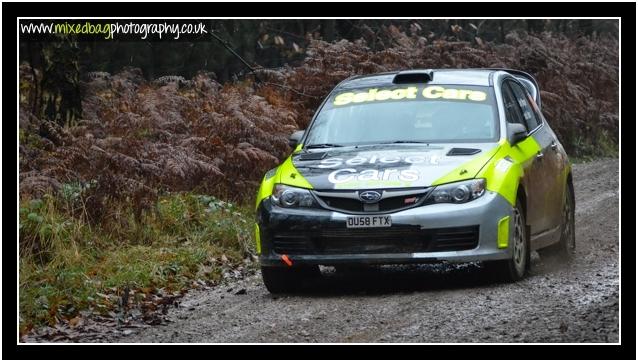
369, 197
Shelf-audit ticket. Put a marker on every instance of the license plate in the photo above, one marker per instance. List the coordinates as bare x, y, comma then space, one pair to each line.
368, 221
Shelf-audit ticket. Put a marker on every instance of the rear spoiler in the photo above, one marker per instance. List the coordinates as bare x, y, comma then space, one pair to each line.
528, 81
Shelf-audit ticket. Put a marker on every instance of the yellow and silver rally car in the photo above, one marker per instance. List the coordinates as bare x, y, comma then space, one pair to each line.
418, 166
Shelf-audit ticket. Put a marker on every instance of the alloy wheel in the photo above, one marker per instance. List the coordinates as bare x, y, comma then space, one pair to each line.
519, 243
568, 225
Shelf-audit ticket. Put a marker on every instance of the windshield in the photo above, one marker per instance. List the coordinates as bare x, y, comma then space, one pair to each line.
405, 114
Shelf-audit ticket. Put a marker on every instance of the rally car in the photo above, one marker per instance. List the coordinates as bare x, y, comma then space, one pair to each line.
418, 166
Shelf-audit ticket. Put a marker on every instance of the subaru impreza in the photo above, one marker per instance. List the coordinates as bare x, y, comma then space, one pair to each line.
418, 166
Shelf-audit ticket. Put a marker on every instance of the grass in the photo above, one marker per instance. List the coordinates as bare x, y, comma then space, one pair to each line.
68, 265
594, 146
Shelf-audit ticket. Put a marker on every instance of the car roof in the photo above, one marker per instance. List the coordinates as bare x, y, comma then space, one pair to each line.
480, 77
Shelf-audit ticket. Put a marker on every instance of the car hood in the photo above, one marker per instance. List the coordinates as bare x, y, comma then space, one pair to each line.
390, 166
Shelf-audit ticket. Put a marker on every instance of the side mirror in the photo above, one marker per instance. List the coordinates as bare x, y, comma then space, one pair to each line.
294, 138
516, 132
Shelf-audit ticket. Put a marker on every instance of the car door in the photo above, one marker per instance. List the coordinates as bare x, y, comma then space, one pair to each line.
546, 200
532, 169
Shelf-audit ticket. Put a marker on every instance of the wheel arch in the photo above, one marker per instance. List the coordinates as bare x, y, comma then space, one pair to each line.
570, 185
521, 195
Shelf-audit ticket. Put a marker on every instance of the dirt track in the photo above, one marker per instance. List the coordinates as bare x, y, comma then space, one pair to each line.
556, 303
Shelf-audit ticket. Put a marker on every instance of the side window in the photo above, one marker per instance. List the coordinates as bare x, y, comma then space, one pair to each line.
523, 98
512, 110
537, 111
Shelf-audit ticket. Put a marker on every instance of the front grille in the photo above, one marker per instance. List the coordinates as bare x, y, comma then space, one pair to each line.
388, 204
341, 203
396, 239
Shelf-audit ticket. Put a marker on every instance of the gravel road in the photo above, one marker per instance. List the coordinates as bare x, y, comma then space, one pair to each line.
556, 303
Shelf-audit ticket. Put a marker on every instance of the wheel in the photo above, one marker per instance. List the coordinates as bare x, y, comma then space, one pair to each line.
565, 248
515, 268
286, 280
567, 243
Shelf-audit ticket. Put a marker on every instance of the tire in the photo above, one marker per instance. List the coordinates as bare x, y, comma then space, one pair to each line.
516, 267
286, 280
565, 248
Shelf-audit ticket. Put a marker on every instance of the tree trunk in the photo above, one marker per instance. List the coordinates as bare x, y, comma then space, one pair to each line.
328, 30
585, 26
534, 26
60, 86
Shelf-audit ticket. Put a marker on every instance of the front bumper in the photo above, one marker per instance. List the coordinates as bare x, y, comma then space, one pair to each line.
314, 236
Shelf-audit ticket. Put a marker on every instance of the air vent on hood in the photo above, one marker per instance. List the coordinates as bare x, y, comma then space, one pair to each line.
310, 156
463, 151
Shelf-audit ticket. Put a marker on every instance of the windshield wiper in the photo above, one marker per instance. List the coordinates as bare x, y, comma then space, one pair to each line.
401, 141
323, 145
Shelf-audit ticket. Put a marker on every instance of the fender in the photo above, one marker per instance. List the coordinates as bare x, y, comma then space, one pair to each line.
285, 173
266, 186
506, 169
503, 168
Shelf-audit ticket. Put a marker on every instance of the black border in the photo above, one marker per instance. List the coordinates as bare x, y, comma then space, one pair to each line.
318, 9
626, 350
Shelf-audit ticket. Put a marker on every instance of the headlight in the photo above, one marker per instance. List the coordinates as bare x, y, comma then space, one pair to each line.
288, 196
457, 192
